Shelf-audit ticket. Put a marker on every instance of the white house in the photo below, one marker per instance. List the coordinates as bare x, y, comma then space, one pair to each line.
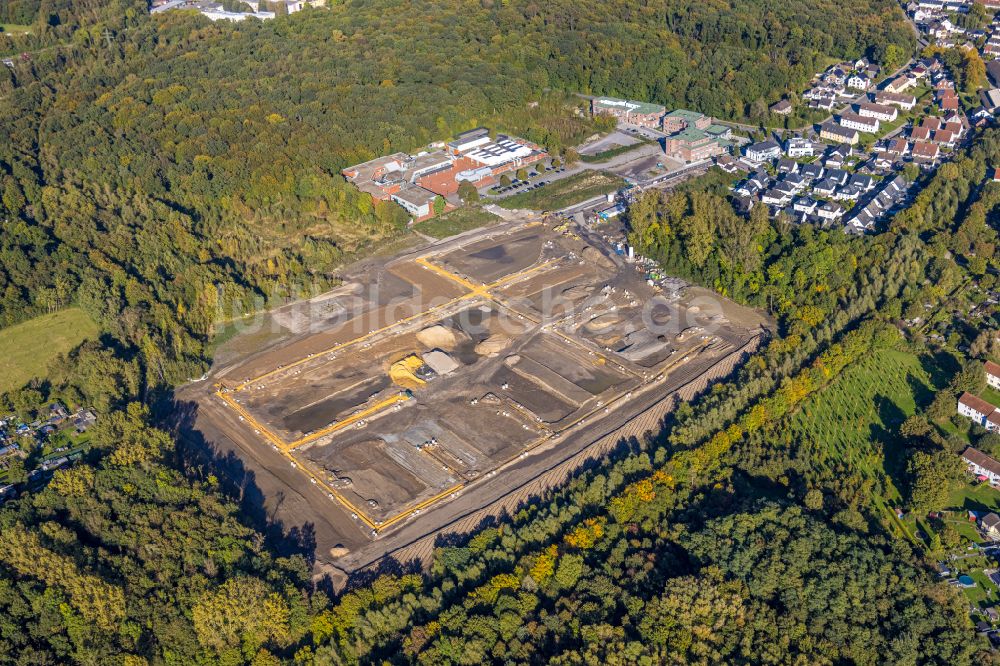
764, 151
858, 82
992, 374
975, 408
830, 211
798, 147
883, 112
860, 123
982, 465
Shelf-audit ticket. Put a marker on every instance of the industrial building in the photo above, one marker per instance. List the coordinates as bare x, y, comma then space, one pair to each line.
472, 156
644, 114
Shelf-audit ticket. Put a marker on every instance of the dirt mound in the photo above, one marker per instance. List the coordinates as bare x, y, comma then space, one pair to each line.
437, 336
593, 255
601, 323
339, 551
493, 345
512, 360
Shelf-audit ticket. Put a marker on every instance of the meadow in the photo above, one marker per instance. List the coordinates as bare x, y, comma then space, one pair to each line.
30, 346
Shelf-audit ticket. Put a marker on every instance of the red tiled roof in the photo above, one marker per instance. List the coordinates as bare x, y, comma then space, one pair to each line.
976, 403
977, 457
991, 367
931, 122
944, 136
924, 149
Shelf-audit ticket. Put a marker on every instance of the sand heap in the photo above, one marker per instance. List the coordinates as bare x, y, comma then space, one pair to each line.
437, 336
493, 345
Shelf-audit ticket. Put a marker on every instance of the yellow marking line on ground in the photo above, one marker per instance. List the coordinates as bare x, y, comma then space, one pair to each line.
474, 290
471, 286
427, 502
350, 420
270, 436
527, 271
349, 343
333, 492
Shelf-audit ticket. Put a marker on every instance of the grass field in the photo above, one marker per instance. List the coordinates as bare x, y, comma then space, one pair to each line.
975, 498
566, 192
457, 221
13, 28
29, 347
854, 418
605, 155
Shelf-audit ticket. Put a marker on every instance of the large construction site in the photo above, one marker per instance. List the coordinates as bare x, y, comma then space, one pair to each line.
444, 368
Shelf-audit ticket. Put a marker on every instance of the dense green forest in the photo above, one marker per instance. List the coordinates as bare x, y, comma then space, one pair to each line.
188, 172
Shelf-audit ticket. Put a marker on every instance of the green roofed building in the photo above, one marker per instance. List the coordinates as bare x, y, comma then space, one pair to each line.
644, 114
680, 119
692, 144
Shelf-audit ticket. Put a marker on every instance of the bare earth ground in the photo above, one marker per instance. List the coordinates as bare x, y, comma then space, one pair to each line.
552, 355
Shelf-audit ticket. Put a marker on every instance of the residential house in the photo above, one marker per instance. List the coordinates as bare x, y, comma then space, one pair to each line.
904, 102
798, 147
805, 206
955, 127
858, 82
824, 102
920, 134
900, 84
898, 148
830, 211
811, 171
948, 103
794, 180
924, 151
979, 411
775, 197
860, 123
931, 122
839, 176
990, 526
992, 374
944, 138
862, 181
764, 151
837, 157
825, 187
981, 116
787, 166
838, 134
847, 193
885, 113
782, 108
982, 465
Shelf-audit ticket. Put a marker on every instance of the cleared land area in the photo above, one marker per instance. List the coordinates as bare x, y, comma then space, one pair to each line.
566, 192
29, 347
431, 376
